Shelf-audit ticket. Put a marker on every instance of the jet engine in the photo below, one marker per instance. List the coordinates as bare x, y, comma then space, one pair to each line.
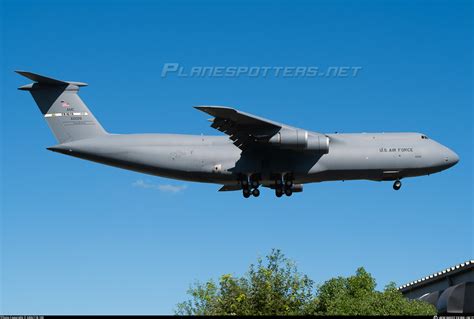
300, 140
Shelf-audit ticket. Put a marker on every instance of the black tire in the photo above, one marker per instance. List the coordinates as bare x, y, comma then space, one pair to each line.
397, 185
246, 193
288, 192
278, 192
256, 192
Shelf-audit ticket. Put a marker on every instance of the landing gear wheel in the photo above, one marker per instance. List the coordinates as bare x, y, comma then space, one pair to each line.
255, 192
246, 193
278, 192
288, 192
397, 185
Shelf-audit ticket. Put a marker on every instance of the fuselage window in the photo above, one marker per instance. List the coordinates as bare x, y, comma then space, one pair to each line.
424, 137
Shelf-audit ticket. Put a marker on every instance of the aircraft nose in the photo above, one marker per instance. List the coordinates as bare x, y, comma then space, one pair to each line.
451, 158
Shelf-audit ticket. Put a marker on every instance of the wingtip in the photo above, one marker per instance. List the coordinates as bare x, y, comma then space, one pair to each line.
21, 72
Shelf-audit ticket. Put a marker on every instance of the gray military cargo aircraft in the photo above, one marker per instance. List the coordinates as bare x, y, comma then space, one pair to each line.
256, 151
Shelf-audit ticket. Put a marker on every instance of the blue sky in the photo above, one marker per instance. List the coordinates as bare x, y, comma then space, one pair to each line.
78, 237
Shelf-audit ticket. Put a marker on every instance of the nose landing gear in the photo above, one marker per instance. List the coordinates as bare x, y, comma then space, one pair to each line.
397, 185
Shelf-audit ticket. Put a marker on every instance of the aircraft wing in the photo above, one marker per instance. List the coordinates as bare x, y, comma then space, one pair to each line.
243, 129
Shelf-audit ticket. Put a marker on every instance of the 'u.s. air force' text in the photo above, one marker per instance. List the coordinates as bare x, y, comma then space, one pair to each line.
396, 149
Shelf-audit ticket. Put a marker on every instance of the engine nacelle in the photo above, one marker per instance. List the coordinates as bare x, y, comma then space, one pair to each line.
300, 140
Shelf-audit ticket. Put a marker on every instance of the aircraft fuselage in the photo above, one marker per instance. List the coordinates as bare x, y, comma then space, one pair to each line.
255, 151
214, 159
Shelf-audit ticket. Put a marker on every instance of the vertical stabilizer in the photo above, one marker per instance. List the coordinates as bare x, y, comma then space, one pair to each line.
64, 111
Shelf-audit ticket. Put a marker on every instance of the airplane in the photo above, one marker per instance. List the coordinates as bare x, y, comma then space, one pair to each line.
256, 151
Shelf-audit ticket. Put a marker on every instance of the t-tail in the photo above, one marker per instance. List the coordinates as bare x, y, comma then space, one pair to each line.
66, 114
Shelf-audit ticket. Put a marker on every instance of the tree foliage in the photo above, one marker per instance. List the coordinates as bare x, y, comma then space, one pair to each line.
356, 295
274, 286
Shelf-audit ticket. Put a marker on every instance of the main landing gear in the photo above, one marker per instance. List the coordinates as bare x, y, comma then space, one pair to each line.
397, 185
284, 186
250, 186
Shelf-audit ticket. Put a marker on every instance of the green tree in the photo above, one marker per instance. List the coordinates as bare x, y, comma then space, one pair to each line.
356, 295
274, 286
270, 287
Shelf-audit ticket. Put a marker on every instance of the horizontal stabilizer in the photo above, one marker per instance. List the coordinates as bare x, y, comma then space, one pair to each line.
45, 80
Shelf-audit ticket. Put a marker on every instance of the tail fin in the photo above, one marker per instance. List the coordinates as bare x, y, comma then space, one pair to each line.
66, 114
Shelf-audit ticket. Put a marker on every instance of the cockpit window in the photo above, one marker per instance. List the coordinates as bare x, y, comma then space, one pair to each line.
424, 137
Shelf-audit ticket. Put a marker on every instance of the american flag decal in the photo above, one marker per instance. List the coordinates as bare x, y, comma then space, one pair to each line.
64, 104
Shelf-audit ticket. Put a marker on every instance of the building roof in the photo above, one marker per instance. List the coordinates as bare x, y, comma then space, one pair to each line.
438, 275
